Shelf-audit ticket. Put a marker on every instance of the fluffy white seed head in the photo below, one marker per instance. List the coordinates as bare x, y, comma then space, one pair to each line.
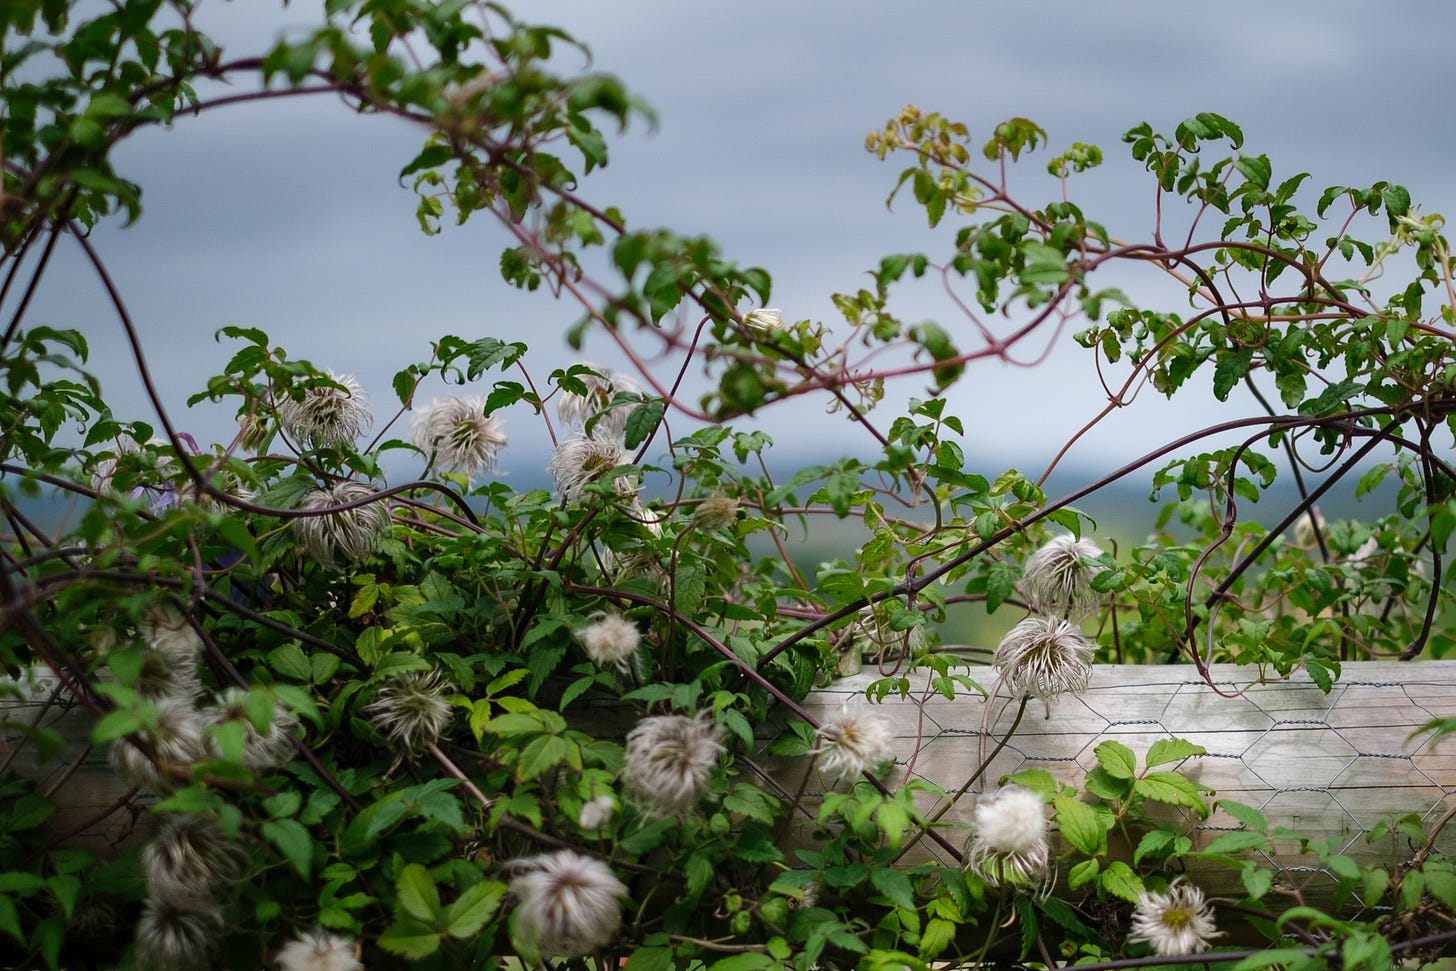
1044, 657
596, 812
189, 861
578, 462
570, 904
611, 641
853, 742
262, 750
1057, 579
458, 436
318, 950
764, 319
1179, 921
172, 938
175, 741
326, 416
413, 708
1009, 844
595, 409
715, 512
669, 762
173, 651
342, 536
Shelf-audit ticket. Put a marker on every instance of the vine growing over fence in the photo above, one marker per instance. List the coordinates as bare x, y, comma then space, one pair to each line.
443, 723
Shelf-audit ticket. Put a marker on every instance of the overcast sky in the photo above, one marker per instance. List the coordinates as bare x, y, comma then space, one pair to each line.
288, 216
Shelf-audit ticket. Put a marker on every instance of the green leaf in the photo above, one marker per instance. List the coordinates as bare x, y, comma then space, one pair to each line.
1154, 842
895, 885
936, 937
1171, 788
1082, 873
1291, 956
1257, 880
1166, 750
1117, 759
642, 421
293, 840
1120, 881
418, 895
1080, 825
1247, 815
749, 961
468, 914
650, 959
1236, 842
409, 938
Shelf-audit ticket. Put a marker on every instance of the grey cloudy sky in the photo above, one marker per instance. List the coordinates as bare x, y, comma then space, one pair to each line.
288, 215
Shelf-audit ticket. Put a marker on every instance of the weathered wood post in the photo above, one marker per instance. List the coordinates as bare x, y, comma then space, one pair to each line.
1325, 765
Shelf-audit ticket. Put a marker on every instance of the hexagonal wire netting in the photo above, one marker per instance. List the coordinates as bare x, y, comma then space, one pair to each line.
1326, 766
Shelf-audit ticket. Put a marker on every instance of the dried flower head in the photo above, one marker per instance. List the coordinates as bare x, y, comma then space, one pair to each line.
172, 938
174, 741
670, 759
346, 535
226, 481
1009, 844
1045, 657
413, 708
596, 812
458, 435
875, 635
611, 641
265, 749
570, 904
188, 861
325, 415
173, 649
764, 319
318, 950
853, 742
715, 512
1179, 921
1058, 577
578, 462
595, 409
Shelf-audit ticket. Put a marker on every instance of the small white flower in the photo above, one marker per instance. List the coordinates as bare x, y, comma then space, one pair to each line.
595, 409
570, 904
175, 741
611, 641
596, 812
578, 462
1058, 577
1009, 844
188, 861
764, 319
172, 938
458, 436
318, 950
1179, 921
853, 742
669, 761
327, 416
413, 709
1044, 657
261, 750
348, 534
